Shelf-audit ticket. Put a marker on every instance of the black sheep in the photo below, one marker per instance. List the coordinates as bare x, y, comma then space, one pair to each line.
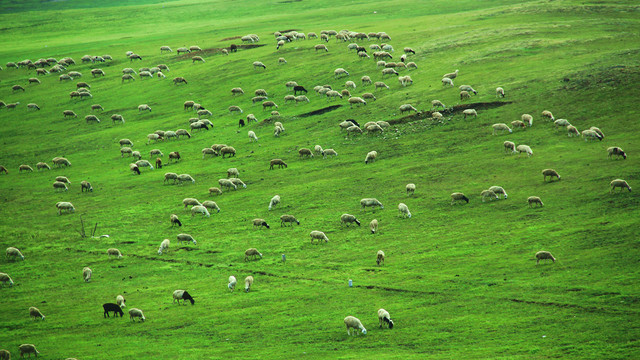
108, 307
299, 88
241, 123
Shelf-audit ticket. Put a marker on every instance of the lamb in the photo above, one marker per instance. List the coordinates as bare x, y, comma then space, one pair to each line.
85, 185
210, 205
590, 134
464, 95
370, 202
406, 108
232, 283
186, 238
488, 194
548, 115
173, 219
339, 72
544, 255
447, 81
318, 235
136, 313
354, 323
4, 278
66, 206
111, 307
509, 147
190, 202
527, 119
28, 349
278, 162
499, 92
524, 149
120, 301
550, 173
617, 151
371, 157
470, 112
184, 296
115, 252
86, 274
404, 210
144, 107
534, 200
199, 209
619, 183
227, 183
498, 190
13, 253
25, 168
348, 219
35, 313
260, 223
248, 281
451, 76
500, 127
178, 80
305, 152
458, 196
274, 201
284, 219
252, 253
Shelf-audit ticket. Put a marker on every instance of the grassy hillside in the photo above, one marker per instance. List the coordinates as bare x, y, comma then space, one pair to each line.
459, 281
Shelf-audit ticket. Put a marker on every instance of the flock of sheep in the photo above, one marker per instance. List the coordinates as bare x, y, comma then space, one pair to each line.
381, 53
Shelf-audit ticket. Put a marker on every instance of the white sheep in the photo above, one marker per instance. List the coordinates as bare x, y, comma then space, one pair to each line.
185, 178
551, 174
35, 313
13, 253
488, 194
186, 238
115, 252
371, 156
411, 188
5, 278
524, 149
404, 210
354, 323
248, 281
544, 255
274, 201
384, 318
548, 115
447, 81
500, 127
66, 206
58, 185
458, 196
252, 136
339, 72
199, 209
406, 108
405, 80
370, 202
590, 135
527, 119
509, 147
373, 226
499, 92
120, 301
136, 313
232, 283
28, 349
619, 183
534, 200
86, 274
318, 235
498, 190
470, 112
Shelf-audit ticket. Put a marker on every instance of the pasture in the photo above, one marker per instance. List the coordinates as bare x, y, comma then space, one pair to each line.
459, 281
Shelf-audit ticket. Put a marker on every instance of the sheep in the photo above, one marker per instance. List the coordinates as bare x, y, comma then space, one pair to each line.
524, 149
164, 245
146, 74
488, 194
232, 283
572, 131
165, 48
190, 202
3, 170
91, 118
136, 313
198, 209
25, 168
173, 219
178, 80
197, 58
356, 101
182, 132
28, 349
5, 354
458, 196
404, 210
509, 147
278, 162
501, 127
370, 202
289, 98
340, 72
305, 152
33, 106
380, 84
268, 104
248, 281
136, 155
389, 71
550, 173
210, 205
544, 255
86, 274
60, 186
347, 219
66, 206
252, 253
111, 307
35, 313
85, 185
124, 142
144, 107
598, 131
186, 238
318, 235
13, 253
518, 124
274, 201
60, 161
284, 219
115, 252
619, 183
405, 80
447, 81
561, 122
144, 163
369, 96
117, 117
354, 323
534, 200
527, 119
231, 151
470, 112
4, 278
590, 134
69, 113
134, 168
464, 95
617, 151
451, 76
258, 64
371, 157
547, 114
184, 296
407, 108
128, 77
498, 190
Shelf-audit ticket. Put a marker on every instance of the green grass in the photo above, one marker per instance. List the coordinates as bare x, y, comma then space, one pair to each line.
459, 281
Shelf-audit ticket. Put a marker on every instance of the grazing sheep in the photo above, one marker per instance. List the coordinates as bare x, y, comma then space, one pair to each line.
66, 206
561, 122
165, 48
356, 101
178, 80
501, 127
144, 163
248, 281
60, 186
470, 112
447, 81
524, 149
406, 108
572, 131
4, 278
617, 151
339, 72
590, 135
550, 173
144, 107
371, 157
211, 205
488, 194
258, 64
284, 219
60, 161
373, 226
69, 113
274, 201
215, 190
380, 257
128, 77
321, 47
369, 96
498, 190
124, 142
518, 124
86, 274
318, 235
404, 210
547, 114
598, 131
35, 313
619, 183
173, 219
278, 162
452, 75
227, 183
135, 57
231, 151
534, 200
370, 202
544, 255
458, 196
282, 61
136, 313
25, 168
389, 71
111, 307
28, 349
14, 253
527, 119
405, 80
348, 219
136, 155
115, 252
380, 84
260, 223
186, 238
85, 185
5, 354
120, 301
33, 106
268, 104
182, 132
184, 296
252, 253
134, 168
232, 283
464, 95
91, 118
199, 209
354, 323
509, 147
305, 152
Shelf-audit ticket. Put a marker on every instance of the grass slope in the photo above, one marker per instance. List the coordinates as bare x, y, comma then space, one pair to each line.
459, 281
